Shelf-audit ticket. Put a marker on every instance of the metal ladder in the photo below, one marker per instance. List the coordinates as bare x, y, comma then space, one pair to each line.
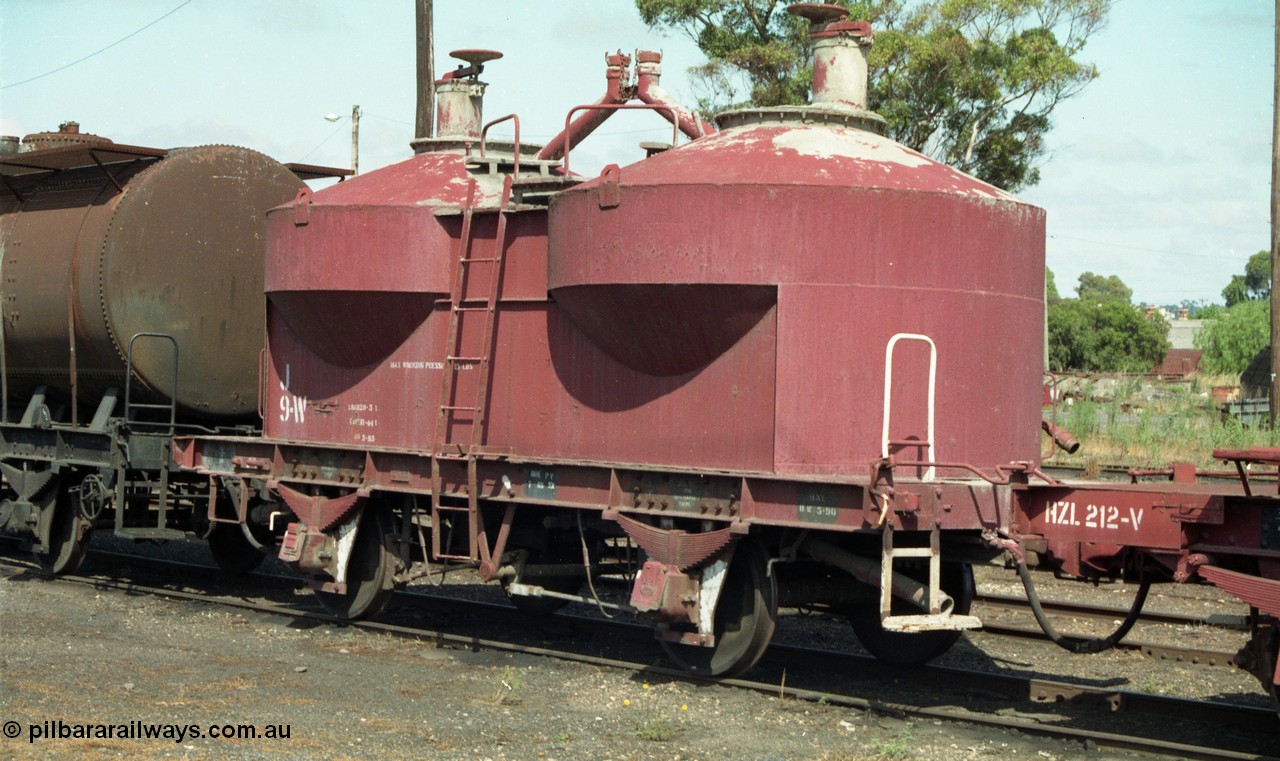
444, 445
935, 618
164, 500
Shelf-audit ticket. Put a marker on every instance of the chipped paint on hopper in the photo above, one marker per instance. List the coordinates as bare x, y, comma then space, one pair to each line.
821, 142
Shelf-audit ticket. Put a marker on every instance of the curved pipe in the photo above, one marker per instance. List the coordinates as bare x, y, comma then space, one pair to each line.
868, 572
1061, 436
648, 71
578, 130
1074, 644
616, 107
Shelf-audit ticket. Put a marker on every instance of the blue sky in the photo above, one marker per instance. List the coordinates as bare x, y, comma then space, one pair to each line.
1159, 172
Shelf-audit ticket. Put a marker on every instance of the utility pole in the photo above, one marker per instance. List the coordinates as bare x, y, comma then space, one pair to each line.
1275, 231
355, 136
355, 139
426, 80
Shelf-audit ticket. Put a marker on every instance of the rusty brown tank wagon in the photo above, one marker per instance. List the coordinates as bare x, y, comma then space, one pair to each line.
753, 370
131, 285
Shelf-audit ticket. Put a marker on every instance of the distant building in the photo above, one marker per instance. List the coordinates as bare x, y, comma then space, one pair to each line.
1183, 357
1182, 332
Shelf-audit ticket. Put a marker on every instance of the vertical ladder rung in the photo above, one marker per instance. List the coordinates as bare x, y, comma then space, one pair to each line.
460, 305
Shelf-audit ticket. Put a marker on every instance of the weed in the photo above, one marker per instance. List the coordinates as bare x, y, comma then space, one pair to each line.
898, 747
1153, 424
656, 728
509, 686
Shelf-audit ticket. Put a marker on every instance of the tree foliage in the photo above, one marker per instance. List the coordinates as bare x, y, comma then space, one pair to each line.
1099, 289
1102, 332
972, 83
1050, 288
1254, 284
1232, 340
1208, 312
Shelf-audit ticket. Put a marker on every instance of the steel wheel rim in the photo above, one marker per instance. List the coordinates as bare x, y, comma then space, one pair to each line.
902, 649
745, 618
368, 572
66, 552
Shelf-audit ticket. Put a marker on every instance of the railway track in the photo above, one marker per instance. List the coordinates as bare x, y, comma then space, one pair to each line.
1109, 612
1013, 606
1091, 715
1106, 615
1125, 473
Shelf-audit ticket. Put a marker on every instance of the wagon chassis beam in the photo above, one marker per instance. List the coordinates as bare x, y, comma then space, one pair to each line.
721, 499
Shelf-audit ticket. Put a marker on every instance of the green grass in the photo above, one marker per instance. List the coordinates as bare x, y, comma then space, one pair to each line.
897, 747
655, 728
1152, 423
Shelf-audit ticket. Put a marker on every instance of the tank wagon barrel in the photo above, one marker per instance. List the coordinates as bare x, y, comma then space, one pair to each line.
131, 307
103, 241
746, 371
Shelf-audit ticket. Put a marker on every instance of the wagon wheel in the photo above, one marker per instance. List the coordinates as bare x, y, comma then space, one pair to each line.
68, 536
8, 542
1270, 668
370, 570
913, 649
232, 550
744, 620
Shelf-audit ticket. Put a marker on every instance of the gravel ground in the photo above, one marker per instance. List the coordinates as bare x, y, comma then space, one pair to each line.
83, 656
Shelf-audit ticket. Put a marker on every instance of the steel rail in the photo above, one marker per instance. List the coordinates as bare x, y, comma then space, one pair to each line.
1159, 651
1043, 691
1119, 472
1225, 621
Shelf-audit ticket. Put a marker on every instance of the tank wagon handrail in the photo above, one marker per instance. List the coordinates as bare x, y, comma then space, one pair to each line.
172, 406
4, 367
484, 133
262, 383
885, 442
1003, 477
675, 127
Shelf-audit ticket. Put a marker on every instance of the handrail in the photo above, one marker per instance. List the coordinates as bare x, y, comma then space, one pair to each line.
128, 381
262, 383
1004, 475
675, 129
484, 132
888, 393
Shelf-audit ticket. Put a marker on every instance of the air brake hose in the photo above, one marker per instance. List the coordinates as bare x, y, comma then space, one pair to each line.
1081, 645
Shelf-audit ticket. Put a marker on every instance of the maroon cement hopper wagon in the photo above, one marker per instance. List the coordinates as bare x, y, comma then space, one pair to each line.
890, 286
751, 371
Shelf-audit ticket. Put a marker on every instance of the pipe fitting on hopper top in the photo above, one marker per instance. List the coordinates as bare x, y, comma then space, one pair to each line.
617, 91
648, 90
460, 96
616, 65
839, 54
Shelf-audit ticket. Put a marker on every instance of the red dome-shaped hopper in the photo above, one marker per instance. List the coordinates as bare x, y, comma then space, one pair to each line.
874, 261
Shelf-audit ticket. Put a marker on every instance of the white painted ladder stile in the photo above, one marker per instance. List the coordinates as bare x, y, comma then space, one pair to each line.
935, 617
928, 443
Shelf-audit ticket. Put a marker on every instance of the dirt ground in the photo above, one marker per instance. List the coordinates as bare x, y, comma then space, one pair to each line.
167, 674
